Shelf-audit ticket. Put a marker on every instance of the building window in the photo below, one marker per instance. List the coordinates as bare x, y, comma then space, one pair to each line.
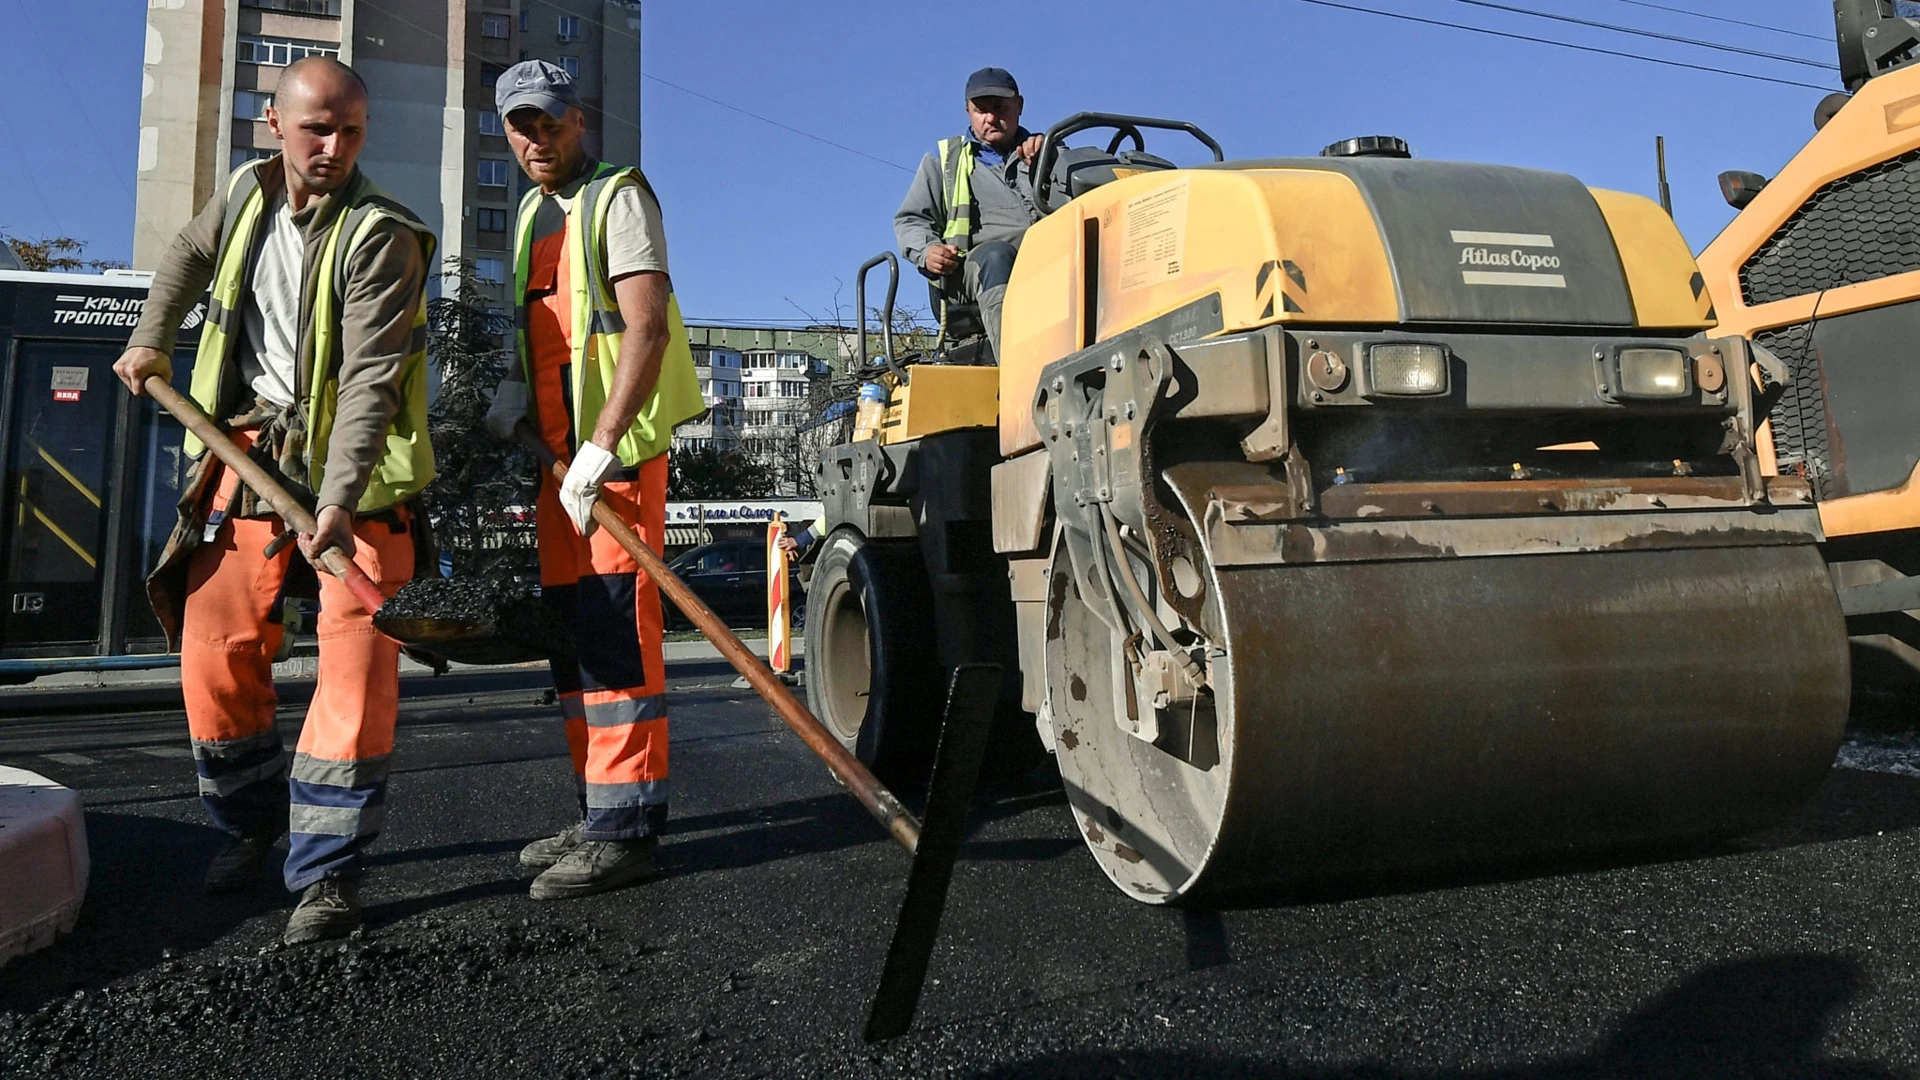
279, 52
244, 154
569, 28
493, 26
571, 64
490, 74
523, 20
490, 219
493, 172
299, 7
490, 123
250, 104
490, 269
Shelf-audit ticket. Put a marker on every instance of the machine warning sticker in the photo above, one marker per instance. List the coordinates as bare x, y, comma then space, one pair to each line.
68, 382
1524, 260
1153, 247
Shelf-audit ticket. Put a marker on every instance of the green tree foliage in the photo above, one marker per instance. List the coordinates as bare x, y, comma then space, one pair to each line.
60, 253
481, 503
694, 475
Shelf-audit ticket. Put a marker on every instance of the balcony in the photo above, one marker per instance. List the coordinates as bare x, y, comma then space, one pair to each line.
327, 8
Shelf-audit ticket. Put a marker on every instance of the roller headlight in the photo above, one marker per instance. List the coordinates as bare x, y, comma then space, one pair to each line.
1406, 369
1640, 372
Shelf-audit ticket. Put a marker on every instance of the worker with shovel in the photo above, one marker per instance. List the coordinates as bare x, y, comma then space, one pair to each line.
314, 359
605, 374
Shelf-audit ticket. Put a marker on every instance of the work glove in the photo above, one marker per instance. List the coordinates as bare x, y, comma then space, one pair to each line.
581, 489
508, 409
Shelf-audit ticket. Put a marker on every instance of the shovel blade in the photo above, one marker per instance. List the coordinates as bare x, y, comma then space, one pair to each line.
971, 701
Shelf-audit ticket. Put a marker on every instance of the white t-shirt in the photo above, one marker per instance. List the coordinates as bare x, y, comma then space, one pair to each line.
271, 317
636, 236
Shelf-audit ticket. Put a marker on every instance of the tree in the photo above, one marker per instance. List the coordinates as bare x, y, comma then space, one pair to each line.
62, 253
481, 502
708, 473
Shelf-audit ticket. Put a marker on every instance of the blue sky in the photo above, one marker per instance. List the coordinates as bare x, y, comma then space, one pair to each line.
765, 224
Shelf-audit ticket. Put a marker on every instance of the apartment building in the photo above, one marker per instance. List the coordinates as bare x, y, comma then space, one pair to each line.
719, 370
761, 386
434, 140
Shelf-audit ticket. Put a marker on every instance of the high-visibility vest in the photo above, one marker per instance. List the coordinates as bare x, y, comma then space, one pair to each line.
956, 166
597, 324
407, 465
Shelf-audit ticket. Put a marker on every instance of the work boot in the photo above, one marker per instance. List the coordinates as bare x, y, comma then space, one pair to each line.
596, 866
237, 865
541, 854
329, 908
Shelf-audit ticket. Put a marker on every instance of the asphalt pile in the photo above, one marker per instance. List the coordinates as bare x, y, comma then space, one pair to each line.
476, 619
239, 999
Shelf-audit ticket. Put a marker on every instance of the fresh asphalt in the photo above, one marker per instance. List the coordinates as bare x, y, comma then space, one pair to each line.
1795, 953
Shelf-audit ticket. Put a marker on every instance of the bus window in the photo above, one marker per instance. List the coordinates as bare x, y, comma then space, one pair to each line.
53, 512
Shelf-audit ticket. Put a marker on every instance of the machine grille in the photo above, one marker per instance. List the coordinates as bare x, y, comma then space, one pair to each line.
1857, 228
1801, 437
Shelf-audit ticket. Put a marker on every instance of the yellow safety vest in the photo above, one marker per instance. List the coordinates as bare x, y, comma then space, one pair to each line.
956, 165
598, 326
407, 466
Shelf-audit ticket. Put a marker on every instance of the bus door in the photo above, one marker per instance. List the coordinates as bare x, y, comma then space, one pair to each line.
54, 510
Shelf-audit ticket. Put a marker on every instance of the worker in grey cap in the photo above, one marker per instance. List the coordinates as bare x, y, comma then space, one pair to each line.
972, 201
605, 373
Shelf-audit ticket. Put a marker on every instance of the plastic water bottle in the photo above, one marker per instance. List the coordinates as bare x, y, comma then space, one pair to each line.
871, 411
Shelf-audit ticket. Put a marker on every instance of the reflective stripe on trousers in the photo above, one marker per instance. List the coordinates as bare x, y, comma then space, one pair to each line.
229, 633
614, 697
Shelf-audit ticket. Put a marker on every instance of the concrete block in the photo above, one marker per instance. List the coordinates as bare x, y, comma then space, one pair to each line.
43, 861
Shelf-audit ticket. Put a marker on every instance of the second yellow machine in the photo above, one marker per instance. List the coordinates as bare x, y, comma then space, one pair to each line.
1341, 516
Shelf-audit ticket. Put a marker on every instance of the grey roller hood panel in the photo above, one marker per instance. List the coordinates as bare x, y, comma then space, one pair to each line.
1487, 244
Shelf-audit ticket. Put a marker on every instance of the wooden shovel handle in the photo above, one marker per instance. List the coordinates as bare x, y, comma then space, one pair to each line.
297, 517
881, 803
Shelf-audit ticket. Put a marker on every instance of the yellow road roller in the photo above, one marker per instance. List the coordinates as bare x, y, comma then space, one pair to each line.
1335, 518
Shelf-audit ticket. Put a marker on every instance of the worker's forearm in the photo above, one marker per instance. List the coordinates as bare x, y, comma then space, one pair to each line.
635, 374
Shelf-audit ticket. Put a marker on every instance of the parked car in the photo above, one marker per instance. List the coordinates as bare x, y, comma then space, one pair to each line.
731, 576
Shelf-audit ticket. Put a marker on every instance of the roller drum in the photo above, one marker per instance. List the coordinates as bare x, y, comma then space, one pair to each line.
1382, 718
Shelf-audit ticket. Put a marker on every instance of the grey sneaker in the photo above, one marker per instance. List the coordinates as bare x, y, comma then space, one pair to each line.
238, 864
329, 908
544, 853
596, 866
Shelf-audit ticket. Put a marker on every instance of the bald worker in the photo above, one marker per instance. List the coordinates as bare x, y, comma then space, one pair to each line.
314, 357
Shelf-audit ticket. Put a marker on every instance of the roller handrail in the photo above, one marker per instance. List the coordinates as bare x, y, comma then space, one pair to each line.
886, 314
1078, 122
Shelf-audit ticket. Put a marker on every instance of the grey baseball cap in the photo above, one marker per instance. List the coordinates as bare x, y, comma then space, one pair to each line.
534, 84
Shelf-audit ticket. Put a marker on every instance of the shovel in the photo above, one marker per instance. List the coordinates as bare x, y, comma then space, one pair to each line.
934, 846
474, 640
298, 518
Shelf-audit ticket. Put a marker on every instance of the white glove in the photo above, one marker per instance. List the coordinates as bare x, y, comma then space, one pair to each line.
581, 489
508, 409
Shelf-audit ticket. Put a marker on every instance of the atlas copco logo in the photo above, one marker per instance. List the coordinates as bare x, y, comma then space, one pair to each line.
1516, 260
1526, 260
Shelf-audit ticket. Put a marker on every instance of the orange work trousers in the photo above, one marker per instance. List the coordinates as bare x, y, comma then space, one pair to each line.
614, 697
333, 792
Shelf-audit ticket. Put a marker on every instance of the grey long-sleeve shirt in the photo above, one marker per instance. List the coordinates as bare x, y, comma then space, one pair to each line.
1002, 196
